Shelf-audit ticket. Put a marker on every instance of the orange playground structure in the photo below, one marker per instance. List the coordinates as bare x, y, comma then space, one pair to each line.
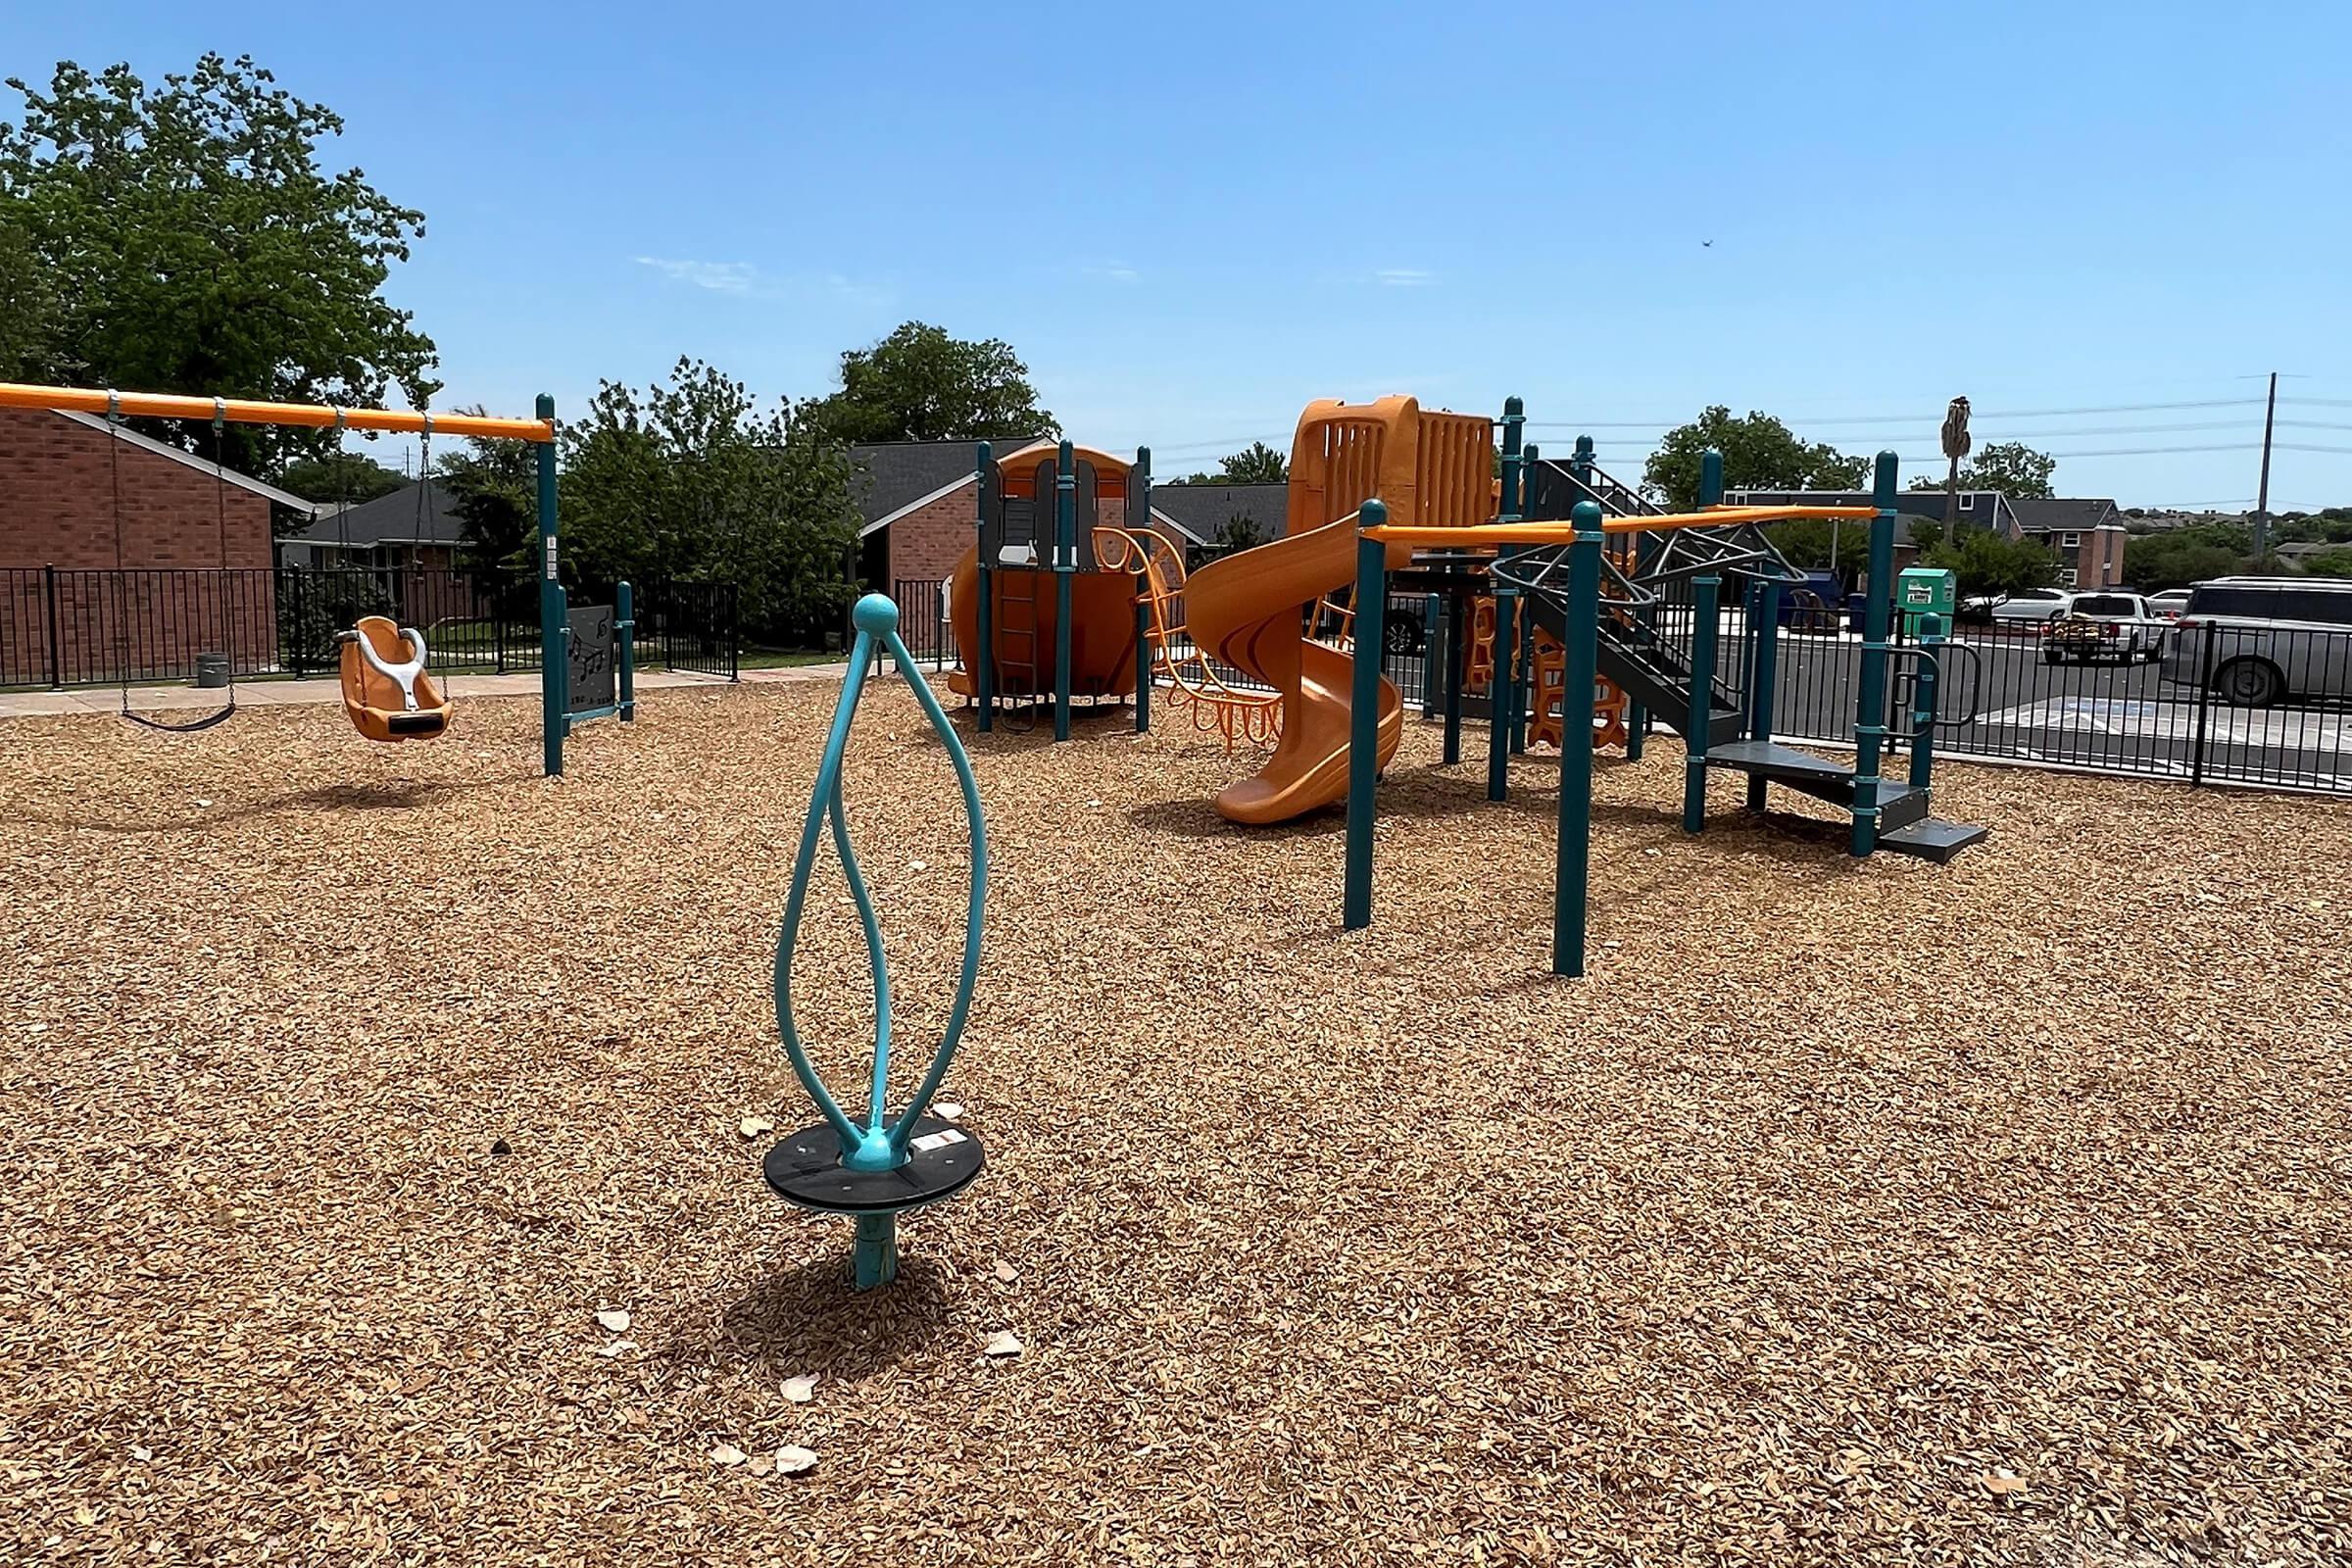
1250, 610
1017, 498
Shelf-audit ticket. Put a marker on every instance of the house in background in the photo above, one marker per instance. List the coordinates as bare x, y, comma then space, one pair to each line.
415, 527
68, 479
2085, 535
81, 496
1919, 525
1225, 515
919, 509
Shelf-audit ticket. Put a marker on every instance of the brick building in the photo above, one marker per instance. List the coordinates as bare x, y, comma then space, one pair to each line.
84, 498
2086, 536
919, 506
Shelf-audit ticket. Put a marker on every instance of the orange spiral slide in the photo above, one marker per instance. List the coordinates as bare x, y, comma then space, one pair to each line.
1249, 610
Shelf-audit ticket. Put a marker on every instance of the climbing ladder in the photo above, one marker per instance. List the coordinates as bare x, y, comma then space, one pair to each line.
1656, 674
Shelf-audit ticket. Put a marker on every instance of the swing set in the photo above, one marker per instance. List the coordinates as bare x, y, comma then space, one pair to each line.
386, 692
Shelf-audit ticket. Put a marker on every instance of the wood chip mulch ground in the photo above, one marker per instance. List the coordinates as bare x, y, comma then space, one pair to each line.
379, 1188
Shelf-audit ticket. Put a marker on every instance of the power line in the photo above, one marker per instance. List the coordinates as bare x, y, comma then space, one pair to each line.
1824, 421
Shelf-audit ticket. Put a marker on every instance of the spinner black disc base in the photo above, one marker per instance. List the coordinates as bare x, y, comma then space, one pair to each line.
806, 1169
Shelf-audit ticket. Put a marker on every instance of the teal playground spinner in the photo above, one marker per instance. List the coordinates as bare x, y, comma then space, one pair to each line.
875, 1171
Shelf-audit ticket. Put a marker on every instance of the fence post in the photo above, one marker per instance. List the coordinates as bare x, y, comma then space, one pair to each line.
297, 653
983, 657
56, 669
2196, 761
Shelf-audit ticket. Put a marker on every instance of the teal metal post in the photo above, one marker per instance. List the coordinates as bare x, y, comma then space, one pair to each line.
1363, 715
1710, 479
624, 651
1705, 616
552, 698
1139, 484
1870, 700
984, 658
1525, 691
1066, 563
1764, 682
1501, 702
1514, 428
1573, 870
1637, 716
1451, 672
1924, 697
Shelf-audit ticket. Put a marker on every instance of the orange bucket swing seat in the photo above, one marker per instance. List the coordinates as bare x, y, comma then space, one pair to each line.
385, 689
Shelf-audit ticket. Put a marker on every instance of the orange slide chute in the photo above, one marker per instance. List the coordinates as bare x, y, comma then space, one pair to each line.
1250, 608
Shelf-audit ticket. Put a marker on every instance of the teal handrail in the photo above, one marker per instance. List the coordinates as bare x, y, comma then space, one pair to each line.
882, 1143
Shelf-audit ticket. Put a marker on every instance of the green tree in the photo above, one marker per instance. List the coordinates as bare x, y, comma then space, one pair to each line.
185, 238
1991, 565
493, 486
1759, 453
1809, 542
1257, 464
27, 305
1237, 533
2179, 556
920, 384
338, 476
2330, 563
692, 478
2012, 467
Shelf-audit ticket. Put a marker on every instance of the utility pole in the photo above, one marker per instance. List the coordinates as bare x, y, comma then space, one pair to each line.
2261, 493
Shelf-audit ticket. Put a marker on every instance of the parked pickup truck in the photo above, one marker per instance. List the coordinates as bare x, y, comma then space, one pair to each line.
2122, 628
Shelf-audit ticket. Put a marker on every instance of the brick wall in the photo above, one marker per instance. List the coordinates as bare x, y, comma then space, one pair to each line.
926, 543
57, 502
58, 508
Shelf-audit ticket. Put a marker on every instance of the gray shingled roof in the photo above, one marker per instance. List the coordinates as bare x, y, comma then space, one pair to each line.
1203, 510
392, 516
2065, 514
899, 474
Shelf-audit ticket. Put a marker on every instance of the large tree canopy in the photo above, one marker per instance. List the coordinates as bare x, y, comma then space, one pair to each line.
692, 478
184, 239
2012, 467
920, 384
1759, 453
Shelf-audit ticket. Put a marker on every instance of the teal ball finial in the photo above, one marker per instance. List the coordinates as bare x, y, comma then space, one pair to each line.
875, 615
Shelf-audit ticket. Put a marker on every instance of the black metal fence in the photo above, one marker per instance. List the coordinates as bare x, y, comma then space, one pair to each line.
69, 627
923, 619
2207, 704
2202, 704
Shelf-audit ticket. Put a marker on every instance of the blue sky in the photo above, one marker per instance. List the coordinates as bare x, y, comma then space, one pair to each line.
1193, 218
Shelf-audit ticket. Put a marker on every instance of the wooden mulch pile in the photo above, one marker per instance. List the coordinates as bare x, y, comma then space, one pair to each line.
1846, 1212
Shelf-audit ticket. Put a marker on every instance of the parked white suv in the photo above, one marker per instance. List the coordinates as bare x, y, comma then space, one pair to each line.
2265, 639
2029, 606
2104, 625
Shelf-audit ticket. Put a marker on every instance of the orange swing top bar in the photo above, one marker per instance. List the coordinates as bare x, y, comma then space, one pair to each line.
1562, 533
237, 410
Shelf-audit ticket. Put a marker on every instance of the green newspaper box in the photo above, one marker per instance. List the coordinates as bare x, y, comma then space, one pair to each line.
1921, 592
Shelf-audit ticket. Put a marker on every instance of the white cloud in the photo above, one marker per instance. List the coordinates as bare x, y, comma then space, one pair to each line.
746, 280
1117, 271
720, 277
1405, 278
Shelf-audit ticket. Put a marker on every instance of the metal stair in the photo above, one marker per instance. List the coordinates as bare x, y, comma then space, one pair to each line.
1658, 675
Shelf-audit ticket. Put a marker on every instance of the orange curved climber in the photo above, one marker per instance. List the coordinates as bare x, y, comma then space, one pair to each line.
1249, 610
1216, 705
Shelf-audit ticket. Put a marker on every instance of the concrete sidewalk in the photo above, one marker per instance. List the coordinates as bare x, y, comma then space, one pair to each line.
281, 693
